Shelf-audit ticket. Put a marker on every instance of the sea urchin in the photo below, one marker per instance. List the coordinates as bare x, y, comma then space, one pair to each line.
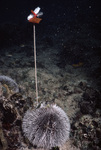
47, 126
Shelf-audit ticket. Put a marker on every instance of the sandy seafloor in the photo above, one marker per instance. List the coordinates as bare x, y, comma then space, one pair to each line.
69, 73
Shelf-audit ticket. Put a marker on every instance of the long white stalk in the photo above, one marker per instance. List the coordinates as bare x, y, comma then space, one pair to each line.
36, 82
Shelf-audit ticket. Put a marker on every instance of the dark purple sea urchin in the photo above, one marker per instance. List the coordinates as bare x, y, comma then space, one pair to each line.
47, 126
